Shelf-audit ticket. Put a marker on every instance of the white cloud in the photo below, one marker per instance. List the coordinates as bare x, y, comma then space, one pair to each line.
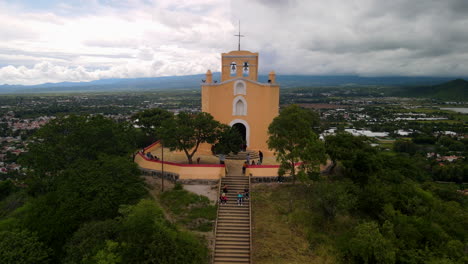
138, 38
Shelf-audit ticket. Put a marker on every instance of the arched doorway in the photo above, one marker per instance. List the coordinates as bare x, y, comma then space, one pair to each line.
242, 131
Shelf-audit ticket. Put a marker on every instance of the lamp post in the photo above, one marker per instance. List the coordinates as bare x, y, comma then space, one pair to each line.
162, 166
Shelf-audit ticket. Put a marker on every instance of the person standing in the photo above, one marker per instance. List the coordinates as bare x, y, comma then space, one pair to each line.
260, 155
246, 192
247, 157
240, 198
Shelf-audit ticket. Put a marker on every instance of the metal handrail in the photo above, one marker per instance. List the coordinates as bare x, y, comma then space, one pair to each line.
216, 221
250, 218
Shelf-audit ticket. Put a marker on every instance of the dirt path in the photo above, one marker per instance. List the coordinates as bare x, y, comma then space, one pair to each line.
234, 167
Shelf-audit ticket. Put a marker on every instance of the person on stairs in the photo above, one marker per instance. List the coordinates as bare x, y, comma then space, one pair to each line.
246, 192
223, 198
225, 188
240, 198
244, 167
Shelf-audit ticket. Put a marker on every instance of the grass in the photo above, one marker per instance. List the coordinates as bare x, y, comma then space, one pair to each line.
283, 229
191, 210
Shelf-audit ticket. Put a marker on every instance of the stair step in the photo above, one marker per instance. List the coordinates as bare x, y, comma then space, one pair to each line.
233, 224
240, 221
233, 218
234, 255
234, 239
234, 205
241, 209
232, 232
246, 215
236, 228
243, 246
229, 260
232, 235
232, 250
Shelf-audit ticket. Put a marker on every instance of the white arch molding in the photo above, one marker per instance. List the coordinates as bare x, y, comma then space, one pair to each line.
239, 106
240, 87
247, 129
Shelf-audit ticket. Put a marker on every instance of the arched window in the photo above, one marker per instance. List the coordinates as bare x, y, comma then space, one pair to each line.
239, 106
239, 88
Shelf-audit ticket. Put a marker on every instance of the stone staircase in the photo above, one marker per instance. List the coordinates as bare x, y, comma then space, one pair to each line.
232, 231
241, 155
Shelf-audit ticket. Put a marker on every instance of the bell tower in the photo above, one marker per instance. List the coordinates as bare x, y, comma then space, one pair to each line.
239, 64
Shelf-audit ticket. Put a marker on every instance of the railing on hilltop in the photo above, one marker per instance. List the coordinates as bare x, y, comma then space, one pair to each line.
216, 221
250, 220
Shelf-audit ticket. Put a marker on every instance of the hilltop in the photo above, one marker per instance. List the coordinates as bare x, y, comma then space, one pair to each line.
456, 90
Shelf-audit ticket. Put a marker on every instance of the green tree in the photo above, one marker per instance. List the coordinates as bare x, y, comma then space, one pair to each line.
66, 140
406, 146
22, 247
333, 198
109, 254
294, 140
343, 146
186, 131
228, 140
89, 239
369, 246
87, 191
151, 120
146, 237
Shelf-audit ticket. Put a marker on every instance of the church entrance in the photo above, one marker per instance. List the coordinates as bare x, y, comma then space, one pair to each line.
242, 131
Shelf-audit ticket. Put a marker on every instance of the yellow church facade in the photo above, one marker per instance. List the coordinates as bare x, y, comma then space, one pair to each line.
239, 100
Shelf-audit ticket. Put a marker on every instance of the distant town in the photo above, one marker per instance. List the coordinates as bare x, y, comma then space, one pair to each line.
359, 111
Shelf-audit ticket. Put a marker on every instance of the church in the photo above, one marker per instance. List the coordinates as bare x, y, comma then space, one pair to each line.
240, 100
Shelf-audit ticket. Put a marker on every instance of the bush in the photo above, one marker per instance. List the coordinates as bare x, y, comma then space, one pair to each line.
22, 247
367, 245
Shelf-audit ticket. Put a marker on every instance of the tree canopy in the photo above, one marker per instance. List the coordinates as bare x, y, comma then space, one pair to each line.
85, 202
293, 139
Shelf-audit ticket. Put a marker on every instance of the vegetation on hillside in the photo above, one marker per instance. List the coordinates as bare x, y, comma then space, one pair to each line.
377, 207
191, 210
456, 90
85, 202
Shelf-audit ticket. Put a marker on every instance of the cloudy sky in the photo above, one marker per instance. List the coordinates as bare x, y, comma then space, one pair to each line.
82, 40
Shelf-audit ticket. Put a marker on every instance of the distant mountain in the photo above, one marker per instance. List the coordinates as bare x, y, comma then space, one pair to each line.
194, 81
456, 90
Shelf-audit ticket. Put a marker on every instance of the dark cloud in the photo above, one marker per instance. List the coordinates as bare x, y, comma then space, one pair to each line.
417, 37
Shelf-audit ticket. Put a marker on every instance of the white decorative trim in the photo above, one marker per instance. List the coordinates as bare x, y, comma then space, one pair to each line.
241, 78
234, 102
235, 87
247, 129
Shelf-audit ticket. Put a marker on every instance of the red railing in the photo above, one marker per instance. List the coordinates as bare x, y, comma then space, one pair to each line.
177, 164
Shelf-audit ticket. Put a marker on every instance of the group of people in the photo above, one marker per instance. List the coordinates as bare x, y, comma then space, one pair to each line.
248, 162
150, 156
240, 195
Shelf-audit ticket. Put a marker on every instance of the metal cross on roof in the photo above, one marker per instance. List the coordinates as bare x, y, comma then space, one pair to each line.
239, 35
